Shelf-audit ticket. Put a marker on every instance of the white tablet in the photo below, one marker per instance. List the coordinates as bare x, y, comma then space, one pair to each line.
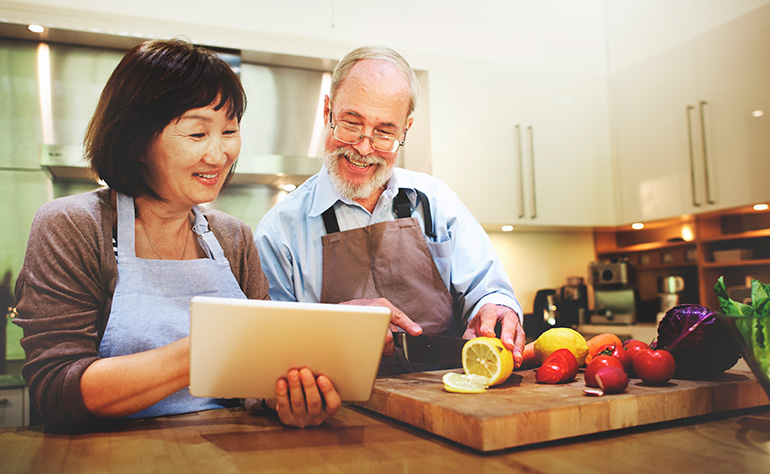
239, 348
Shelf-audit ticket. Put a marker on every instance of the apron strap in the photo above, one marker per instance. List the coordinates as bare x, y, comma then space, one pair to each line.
426, 214
401, 205
206, 237
125, 229
330, 221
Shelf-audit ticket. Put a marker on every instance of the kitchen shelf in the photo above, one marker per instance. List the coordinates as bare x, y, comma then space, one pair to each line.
753, 234
657, 251
738, 263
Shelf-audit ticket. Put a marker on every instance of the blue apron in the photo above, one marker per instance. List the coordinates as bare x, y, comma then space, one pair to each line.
151, 303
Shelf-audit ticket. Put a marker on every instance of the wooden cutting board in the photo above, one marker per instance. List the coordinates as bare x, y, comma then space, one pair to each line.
521, 412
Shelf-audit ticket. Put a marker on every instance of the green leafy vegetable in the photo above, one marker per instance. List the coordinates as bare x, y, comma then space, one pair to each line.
752, 322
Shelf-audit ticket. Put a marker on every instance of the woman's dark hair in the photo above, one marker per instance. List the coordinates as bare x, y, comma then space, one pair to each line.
155, 83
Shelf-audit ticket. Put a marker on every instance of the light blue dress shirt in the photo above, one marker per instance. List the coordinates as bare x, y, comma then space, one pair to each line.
289, 241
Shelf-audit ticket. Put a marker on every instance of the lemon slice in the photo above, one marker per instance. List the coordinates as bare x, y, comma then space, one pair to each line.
486, 356
464, 383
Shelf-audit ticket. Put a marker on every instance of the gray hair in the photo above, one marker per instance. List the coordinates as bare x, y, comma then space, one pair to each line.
380, 53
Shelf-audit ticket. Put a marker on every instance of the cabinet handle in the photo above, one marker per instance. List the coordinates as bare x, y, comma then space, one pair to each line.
702, 106
521, 171
531, 134
689, 110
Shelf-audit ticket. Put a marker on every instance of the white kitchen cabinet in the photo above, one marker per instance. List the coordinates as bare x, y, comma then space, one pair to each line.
522, 146
14, 407
566, 150
524, 138
474, 109
689, 128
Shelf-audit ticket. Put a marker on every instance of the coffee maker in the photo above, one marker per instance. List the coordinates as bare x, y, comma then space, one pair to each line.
573, 302
614, 293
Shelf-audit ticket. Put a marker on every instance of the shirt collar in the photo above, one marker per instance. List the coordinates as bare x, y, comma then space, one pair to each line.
326, 195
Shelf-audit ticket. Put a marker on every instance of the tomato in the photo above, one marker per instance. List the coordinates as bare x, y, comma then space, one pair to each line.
599, 362
633, 346
617, 352
559, 367
611, 379
655, 367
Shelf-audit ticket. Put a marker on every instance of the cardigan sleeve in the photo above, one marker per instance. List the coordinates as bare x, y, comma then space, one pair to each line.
61, 303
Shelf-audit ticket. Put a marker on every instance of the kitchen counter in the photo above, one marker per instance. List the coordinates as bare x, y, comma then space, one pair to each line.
230, 440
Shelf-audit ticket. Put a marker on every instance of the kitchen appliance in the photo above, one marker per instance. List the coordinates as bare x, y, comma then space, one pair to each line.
670, 288
545, 313
573, 302
614, 293
608, 273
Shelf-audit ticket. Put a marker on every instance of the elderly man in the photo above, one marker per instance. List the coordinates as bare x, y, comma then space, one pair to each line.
363, 231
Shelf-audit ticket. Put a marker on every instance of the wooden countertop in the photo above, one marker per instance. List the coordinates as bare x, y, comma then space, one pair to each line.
232, 441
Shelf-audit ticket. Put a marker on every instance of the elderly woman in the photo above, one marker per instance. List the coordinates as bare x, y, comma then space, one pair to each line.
103, 295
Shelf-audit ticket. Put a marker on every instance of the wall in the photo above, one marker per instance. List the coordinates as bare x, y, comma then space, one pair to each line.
542, 259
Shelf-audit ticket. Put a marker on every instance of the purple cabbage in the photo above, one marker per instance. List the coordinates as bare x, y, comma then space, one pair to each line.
700, 342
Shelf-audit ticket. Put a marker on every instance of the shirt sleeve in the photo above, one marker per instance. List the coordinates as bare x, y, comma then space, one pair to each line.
477, 275
275, 256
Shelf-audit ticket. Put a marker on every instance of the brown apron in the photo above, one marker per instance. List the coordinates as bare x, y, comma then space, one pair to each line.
389, 260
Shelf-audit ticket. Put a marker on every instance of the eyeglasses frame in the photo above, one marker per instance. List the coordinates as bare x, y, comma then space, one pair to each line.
370, 137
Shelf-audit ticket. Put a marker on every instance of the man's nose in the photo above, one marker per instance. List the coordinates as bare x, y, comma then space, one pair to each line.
364, 146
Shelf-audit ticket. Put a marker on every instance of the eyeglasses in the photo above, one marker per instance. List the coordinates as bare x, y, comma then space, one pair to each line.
352, 135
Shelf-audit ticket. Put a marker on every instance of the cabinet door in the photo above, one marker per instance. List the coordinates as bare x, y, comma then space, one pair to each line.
655, 109
734, 92
474, 110
566, 140
12, 407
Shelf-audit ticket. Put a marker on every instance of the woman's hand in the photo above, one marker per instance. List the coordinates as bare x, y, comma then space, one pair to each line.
304, 400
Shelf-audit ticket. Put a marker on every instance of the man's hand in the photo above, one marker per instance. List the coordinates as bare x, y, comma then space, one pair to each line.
304, 400
511, 334
397, 320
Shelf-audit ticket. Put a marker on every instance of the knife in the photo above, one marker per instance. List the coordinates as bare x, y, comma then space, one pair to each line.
426, 348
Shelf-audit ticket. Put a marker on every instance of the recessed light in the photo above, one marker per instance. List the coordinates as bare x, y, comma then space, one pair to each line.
36, 28
506, 228
757, 113
761, 207
289, 187
637, 226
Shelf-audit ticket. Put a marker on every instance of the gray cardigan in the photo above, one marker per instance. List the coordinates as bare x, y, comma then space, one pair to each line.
64, 294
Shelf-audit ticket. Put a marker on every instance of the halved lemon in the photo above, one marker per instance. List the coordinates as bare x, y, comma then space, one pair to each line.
488, 357
464, 383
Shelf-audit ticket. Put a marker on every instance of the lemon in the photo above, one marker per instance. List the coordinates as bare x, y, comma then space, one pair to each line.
486, 356
561, 338
464, 383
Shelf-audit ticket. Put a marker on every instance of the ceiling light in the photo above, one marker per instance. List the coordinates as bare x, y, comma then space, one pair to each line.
637, 226
757, 113
36, 28
506, 228
289, 187
761, 207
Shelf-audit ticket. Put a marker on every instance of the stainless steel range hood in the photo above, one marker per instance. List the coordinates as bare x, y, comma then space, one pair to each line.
56, 87
65, 163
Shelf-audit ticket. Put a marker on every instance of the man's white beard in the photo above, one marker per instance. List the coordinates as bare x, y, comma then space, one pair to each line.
350, 190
